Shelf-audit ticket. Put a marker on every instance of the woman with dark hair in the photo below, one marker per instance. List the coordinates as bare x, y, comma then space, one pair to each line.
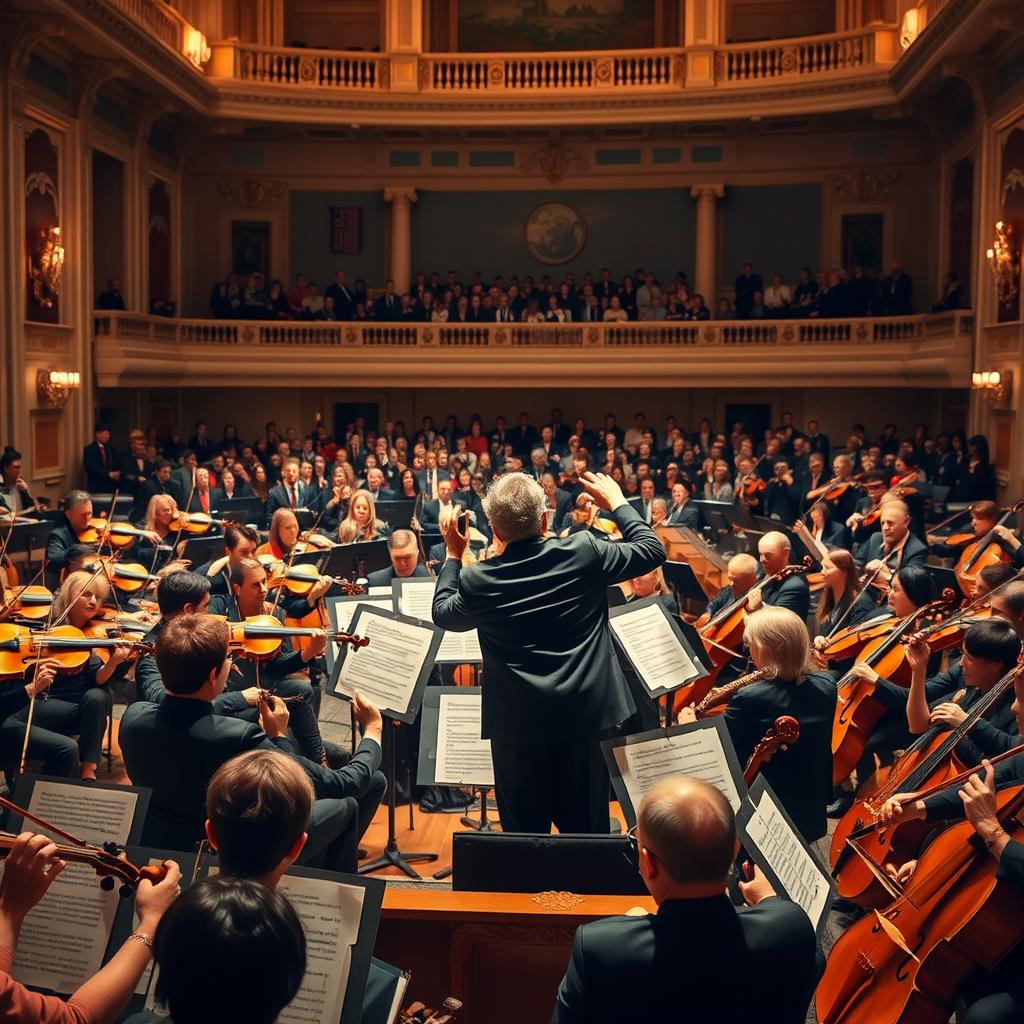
408, 485
279, 308
977, 478
824, 528
227, 949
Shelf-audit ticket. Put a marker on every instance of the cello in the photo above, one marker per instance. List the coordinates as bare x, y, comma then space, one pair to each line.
905, 964
983, 552
857, 710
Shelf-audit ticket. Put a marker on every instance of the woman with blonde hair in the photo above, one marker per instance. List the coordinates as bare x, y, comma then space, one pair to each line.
801, 776
282, 536
77, 702
156, 551
361, 522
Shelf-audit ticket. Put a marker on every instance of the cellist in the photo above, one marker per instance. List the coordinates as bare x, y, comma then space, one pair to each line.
996, 998
984, 520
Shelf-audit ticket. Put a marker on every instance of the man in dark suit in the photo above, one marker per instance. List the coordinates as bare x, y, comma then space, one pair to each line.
746, 285
553, 682
174, 748
754, 963
680, 511
161, 482
818, 441
387, 307
557, 499
405, 561
431, 477
291, 492
101, 463
894, 544
377, 485
136, 468
64, 536
774, 551
898, 292
643, 503
343, 296
523, 437
560, 432
201, 444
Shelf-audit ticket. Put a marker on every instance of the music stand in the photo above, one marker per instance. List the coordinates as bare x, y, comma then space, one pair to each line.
397, 514
101, 503
200, 550
305, 517
684, 583
354, 561
945, 579
24, 538
240, 510
739, 517
713, 513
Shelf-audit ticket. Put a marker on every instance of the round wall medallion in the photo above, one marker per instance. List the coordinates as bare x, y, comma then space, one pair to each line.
555, 233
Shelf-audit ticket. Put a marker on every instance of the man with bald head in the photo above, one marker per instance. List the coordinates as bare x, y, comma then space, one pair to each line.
793, 592
754, 963
742, 572
894, 545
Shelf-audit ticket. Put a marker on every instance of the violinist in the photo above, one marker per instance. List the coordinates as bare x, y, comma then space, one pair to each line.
802, 775
841, 491
781, 497
824, 529
77, 513
240, 543
813, 485
910, 486
157, 549
864, 522
742, 572
248, 597
282, 536
77, 702
894, 544
361, 522
998, 997
834, 605
774, 550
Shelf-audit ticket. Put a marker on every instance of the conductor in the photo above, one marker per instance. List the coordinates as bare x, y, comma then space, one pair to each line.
552, 684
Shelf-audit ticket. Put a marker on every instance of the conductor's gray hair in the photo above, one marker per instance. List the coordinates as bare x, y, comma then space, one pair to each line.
515, 507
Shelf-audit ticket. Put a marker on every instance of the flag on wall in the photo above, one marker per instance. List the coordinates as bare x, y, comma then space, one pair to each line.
347, 230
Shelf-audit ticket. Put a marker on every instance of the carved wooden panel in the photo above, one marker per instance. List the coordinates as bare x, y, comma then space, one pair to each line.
46, 446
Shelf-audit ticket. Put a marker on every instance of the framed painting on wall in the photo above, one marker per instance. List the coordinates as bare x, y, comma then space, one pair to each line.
864, 241
250, 248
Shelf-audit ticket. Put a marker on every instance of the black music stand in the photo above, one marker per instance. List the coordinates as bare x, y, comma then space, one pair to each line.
200, 550
397, 514
241, 510
713, 513
354, 561
684, 583
101, 504
26, 537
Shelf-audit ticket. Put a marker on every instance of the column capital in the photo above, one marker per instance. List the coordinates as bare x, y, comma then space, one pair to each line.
400, 195
707, 191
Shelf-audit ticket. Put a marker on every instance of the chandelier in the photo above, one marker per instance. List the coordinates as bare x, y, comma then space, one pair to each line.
46, 267
1004, 263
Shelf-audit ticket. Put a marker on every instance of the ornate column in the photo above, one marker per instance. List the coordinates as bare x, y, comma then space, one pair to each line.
706, 268
704, 29
401, 198
403, 42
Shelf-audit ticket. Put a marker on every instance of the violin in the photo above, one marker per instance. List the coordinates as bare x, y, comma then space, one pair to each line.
300, 579
196, 523
20, 648
130, 577
929, 761
260, 637
782, 733
857, 709
753, 486
849, 642
839, 487
107, 860
28, 602
982, 552
952, 918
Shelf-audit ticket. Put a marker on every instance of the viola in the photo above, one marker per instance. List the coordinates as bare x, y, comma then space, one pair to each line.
906, 962
857, 709
872, 516
983, 552
107, 861
260, 637
300, 579
849, 642
929, 761
20, 648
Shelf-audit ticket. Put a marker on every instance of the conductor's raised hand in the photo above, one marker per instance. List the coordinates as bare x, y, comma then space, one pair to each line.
455, 540
604, 490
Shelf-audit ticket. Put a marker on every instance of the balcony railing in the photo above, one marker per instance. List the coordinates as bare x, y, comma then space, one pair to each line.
929, 349
796, 58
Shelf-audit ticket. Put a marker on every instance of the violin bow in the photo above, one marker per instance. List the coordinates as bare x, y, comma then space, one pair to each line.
291, 561
184, 512
416, 512
105, 534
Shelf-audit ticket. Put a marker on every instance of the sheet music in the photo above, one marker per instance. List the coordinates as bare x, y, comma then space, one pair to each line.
654, 648
330, 913
386, 670
463, 758
698, 753
65, 935
798, 873
341, 614
417, 598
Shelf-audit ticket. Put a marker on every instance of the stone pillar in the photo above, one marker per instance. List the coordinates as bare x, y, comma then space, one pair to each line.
703, 30
270, 22
706, 269
403, 42
401, 199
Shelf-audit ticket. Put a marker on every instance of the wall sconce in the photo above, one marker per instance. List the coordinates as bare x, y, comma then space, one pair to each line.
55, 386
195, 47
1002, 259
996, 385
910, 29
46, 265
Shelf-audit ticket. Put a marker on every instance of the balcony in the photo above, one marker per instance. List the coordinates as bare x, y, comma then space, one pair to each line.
132, 350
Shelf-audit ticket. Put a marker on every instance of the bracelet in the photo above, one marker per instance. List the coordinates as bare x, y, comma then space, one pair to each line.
141, 937
994, 838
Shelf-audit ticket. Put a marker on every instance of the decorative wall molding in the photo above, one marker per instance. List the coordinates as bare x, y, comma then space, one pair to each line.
23, 34
555, 161
250, 192
865, 186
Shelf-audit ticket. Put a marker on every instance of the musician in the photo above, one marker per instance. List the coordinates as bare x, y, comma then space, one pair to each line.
742, 572
77, 702
840, 593
755, 963
14, 493
230, 487
802, 775
405, 561
291, 492
240, 544
894, 544
161, 482
824, 529
984, 520
158, 548
176, 746
586, 516
814, 484
77, 513
781, 499
1009, 604
793, 592
875, 484
553, 684
282, 536
361, 522
29, 870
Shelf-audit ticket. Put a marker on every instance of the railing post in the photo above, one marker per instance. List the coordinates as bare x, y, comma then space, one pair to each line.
704, 29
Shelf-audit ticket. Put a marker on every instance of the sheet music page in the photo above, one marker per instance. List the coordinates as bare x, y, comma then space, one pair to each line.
341, 614
65, 935
654, 648
417, 600
463, 758
699, 754
795, 869
386, 669
330, 913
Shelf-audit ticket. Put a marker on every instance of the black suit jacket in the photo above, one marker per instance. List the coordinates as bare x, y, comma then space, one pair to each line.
541, 609
97, 472
688, 516
278, 498
344, 301
383, 577
914, 551
756, 963
802, 775
61, 538
792, 593
387, 308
